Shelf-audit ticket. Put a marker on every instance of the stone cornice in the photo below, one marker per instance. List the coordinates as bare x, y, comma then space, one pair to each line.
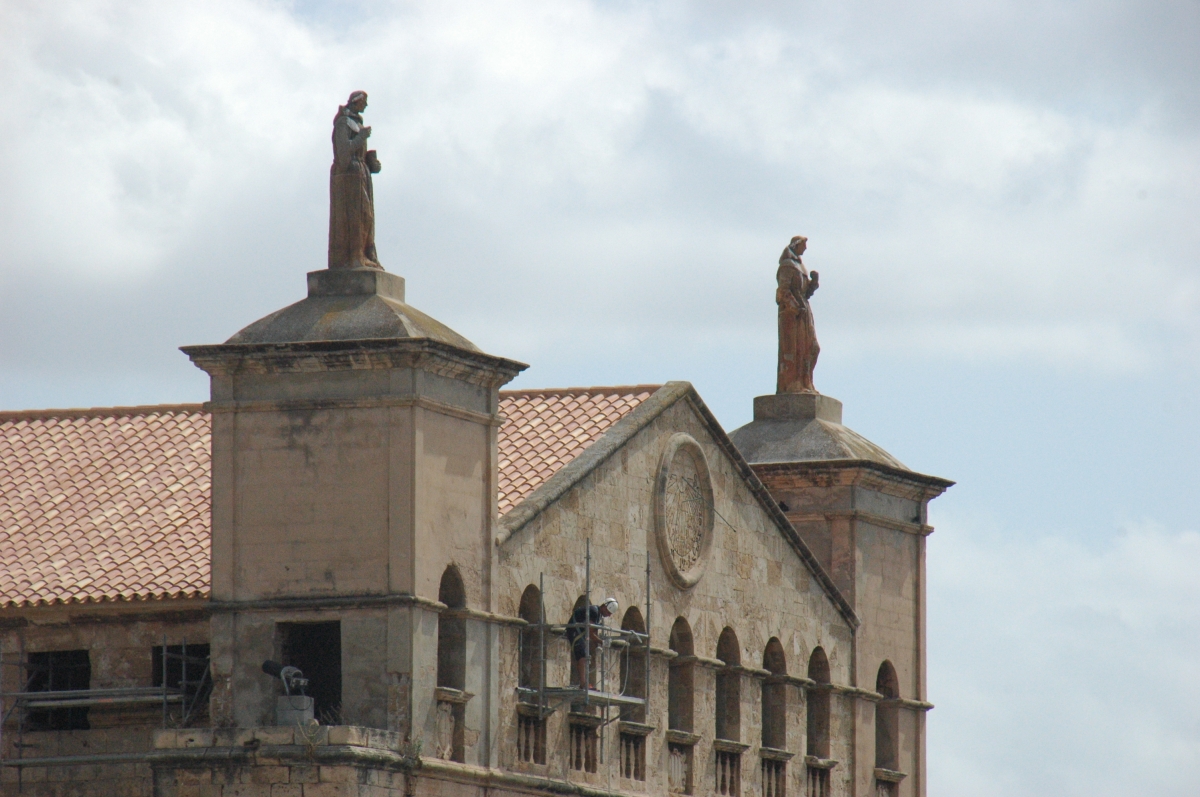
920, 529
858, 472
229, 359
317, 602
355, 403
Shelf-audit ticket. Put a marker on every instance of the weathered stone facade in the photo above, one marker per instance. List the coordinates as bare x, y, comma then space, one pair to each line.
354, 482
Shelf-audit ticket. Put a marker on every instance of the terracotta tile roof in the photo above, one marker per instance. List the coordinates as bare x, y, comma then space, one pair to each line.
107, 504
545, 429
113, 504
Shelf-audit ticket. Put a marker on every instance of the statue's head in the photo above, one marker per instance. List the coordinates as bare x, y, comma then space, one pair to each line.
357, 101
798, 245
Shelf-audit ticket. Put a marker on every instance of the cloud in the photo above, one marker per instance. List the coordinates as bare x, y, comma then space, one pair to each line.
1063, 666
661, 154
992, 191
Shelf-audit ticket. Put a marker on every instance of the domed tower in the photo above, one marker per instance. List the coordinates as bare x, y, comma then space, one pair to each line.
353, 466
864, 515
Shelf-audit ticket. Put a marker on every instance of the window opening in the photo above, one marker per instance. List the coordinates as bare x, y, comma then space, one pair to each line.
774, 697
452, 632
532, 641
634, 669
452, 667
58, 671
186, 671
680, 681
316, 649
729, 705
887, 731
818, 705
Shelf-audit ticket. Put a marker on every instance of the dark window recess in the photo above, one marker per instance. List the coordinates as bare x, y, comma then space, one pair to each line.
56, 671
190, 661
316, 648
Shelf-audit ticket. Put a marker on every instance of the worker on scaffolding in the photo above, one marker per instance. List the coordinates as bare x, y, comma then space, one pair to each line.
588, 618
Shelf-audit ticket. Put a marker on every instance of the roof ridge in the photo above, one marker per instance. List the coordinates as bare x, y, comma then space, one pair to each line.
98, 412
580, 391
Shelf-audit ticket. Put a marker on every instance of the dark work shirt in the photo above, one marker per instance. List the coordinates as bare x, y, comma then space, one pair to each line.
576, 628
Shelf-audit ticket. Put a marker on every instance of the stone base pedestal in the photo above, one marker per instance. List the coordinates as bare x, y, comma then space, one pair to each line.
797, 407
356, 282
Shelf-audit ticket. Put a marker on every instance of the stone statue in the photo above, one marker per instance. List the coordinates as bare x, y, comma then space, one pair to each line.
798, 348
351, 195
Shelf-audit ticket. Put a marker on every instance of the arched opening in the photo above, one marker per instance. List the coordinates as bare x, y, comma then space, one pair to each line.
887, 719
774, 719
633, 665
452, 632
680, 696
774, 697
531, 728
818, 705
451, 667
680, 681
530, 611
729, 696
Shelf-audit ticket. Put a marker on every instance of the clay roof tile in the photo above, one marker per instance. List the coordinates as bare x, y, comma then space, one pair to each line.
113, 504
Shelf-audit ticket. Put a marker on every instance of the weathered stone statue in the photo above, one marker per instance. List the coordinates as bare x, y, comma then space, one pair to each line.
798, 348
351, 195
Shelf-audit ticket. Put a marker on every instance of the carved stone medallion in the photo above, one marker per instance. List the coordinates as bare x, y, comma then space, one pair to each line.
683, 510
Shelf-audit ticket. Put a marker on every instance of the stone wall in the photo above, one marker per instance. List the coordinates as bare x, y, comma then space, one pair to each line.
868, 527
754, 583
120, 640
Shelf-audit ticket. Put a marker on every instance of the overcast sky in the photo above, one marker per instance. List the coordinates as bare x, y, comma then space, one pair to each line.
1001, 197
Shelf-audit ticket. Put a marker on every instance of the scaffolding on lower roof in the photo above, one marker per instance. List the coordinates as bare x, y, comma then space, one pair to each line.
549, 699
189, 695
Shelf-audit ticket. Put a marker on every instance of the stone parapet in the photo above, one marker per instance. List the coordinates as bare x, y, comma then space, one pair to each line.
321, 761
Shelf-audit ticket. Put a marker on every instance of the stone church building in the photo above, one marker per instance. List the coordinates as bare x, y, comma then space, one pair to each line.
360, 500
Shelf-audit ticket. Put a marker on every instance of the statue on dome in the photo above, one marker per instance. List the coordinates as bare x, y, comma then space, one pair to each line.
798, 347
351, 195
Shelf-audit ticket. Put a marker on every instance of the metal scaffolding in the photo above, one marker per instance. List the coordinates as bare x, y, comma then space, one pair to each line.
190, 695
549, 699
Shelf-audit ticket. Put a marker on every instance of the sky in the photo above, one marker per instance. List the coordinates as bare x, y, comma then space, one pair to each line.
1001, 200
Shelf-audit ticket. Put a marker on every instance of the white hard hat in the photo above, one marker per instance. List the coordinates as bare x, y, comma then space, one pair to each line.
611, 604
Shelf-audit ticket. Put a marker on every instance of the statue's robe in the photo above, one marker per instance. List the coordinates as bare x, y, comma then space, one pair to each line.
351, 197
798, 348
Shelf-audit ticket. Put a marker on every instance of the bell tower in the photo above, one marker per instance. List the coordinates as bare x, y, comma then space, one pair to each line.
353, 464
864, 515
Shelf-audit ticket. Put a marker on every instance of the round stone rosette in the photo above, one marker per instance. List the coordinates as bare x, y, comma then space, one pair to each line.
683, 510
